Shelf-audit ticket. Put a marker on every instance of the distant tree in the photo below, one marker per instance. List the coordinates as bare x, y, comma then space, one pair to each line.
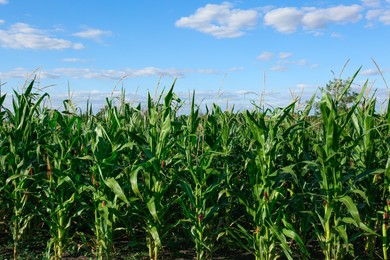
334, 88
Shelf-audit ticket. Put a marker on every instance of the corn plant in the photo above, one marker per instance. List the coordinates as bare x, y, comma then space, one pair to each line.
18, 161
264, 203
332, 161
155, 170
107, 193
201, 183
366, 130
295, 177
60, 179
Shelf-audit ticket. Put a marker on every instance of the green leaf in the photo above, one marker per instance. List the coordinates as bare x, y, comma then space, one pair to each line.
343, 233
114, 186
152, 209
134, 182
293, 235
188, 191
348, 202
282, 239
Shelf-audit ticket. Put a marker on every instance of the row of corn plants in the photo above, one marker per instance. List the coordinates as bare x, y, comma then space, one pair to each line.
270, 182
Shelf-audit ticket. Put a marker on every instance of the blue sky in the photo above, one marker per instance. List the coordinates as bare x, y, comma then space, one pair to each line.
225, 51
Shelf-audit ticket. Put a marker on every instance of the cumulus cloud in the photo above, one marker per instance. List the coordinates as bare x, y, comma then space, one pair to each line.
15, 73
369, 72
220, 21
74, 60
283, 62
23, 36
279, 68
301, 62
107, 74
336, 35
380, 15
385, 17
371, 3
373, 14
234, 69
285, 20
265, 55
373, 72
285, 55
223, 21
319, 18
93, 34
3, 2
288, 19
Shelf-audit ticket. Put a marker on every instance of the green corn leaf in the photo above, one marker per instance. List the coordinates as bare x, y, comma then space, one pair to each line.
293, 235
347, 86
134, 182
309, 104
156, 237
190, 216
364, 227
169, 96
65, 179
152, 209
2, 98
343, 233
116, 188
240, 235
13, 177
188, 191
282, 239
285, 112
352, 209
362, 194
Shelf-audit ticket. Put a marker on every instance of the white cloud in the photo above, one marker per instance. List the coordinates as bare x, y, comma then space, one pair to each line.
300, 62
172, 72
374, 72
301, 86
279, 68
15, 73
3, 2
285, 55
319, 18
285, 20
1, 22
380, 15
288, 19
373, 14
107, 74
369, 72
23, 36
372, 3
265, 55
336, 35
385, 17
93, 34
220, 21
74, 60
234, 69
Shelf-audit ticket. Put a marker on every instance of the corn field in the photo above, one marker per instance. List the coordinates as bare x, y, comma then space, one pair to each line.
274, 183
